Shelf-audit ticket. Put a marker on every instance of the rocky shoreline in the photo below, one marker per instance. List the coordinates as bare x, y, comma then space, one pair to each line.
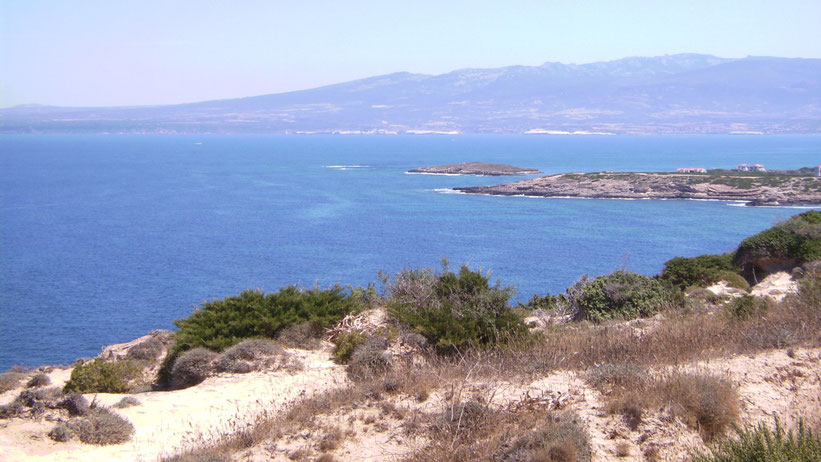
475, 168
756, 190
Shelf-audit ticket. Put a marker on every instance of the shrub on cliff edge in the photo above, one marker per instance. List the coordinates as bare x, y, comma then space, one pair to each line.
454, 309
620, 295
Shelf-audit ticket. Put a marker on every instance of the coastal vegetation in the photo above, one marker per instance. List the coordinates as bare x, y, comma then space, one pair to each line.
454, 310
442, 358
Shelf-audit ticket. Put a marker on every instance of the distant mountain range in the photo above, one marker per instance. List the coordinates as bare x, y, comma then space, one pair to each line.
684, 93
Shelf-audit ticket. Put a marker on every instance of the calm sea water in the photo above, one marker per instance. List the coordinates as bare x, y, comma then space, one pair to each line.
104, 238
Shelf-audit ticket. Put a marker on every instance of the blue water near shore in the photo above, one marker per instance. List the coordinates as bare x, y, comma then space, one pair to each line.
104, 238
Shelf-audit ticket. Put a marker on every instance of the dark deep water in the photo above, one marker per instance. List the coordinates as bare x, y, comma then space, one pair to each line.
104, 238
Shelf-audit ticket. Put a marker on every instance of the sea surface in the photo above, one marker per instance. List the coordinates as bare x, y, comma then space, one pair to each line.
104, 238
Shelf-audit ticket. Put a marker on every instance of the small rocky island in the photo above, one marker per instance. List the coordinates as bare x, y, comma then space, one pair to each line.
475, 168
775, 189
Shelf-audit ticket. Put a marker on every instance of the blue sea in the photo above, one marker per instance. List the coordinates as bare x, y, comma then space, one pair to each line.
104, 238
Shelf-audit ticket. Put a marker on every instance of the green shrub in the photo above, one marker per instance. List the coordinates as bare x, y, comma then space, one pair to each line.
622, 295
734, 280
345, 345
101, 426
698, 271
546, 303
761, 444
99, 376
796, 241
452, 310
221, 323
745, 306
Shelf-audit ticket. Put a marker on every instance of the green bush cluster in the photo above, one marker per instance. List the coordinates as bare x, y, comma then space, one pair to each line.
700, 271
99, 376
345, 345
745, 306
763, 444
797, 240
220, 324
452, 310
621, 295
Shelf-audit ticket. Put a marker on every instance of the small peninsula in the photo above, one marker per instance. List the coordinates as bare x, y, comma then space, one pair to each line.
770, 188
475, 168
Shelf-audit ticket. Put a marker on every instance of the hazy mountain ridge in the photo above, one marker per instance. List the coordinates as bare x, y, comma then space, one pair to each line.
685, 93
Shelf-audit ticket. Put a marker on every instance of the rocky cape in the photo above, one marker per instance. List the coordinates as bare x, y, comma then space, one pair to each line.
755, 189
475, 168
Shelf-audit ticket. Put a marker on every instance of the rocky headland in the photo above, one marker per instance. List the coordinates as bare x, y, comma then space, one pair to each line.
755, 189
475, 168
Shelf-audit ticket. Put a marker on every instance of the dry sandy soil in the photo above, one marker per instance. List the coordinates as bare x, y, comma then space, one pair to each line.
779, 382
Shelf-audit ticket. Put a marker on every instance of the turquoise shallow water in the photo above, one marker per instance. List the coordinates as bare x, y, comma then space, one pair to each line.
104, 238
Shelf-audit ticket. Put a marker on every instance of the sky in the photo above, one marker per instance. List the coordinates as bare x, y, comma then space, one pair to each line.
106, 53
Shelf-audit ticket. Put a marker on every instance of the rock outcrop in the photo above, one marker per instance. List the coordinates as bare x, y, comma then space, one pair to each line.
754, 189
475, 168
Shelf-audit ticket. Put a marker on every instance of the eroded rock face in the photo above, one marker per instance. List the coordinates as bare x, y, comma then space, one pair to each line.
475, 168
755, 190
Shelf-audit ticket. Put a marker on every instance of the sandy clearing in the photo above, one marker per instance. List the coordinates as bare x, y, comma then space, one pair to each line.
166, 422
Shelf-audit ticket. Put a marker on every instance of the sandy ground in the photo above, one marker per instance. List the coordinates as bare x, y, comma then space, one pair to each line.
168, 421
769, 384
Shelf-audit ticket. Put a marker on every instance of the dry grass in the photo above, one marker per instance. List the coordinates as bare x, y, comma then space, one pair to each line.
704, 402
678, 339
10, 380
102, 427
39, 380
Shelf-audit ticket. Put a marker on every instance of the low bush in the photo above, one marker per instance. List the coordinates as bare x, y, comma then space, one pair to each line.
219, 324
734, 280
763, 444
345, 345
99, 376
369, 359
454, 310
245, 355
33, 402
305, 335
191, 368
148, 350
39, 380
101, 427
10, 380
61, 433
127, 401
252, 314
559, 437
699, 271
75, 404
705, 402
621, 295
745, 306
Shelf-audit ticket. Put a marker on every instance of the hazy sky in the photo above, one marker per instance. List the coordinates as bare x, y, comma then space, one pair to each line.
118, 52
